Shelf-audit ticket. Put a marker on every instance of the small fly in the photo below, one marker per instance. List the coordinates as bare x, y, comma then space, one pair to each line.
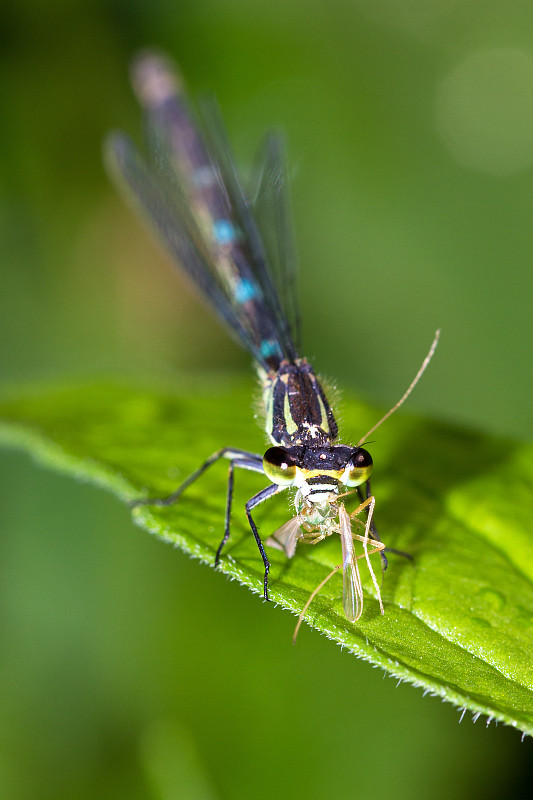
236, 248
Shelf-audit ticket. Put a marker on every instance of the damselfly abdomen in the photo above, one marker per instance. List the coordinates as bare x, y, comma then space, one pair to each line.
236, 248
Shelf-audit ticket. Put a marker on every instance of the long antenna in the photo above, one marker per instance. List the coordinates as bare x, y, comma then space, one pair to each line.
412, 385
315, 592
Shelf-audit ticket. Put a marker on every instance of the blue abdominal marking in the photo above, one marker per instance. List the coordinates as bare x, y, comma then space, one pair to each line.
269, 348
246, 290
224, 231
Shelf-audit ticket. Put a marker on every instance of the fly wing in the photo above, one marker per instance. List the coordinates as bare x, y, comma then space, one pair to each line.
286, 537
352, 590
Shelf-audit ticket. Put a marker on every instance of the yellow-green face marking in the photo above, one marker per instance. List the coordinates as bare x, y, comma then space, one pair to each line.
317, 471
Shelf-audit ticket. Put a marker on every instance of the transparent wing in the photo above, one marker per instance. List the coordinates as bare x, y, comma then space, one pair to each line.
352, 590
264, 224
189, 191
149, 196
271, 206
193, 170
286, 537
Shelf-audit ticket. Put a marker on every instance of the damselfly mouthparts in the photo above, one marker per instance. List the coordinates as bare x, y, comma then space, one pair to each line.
236, 248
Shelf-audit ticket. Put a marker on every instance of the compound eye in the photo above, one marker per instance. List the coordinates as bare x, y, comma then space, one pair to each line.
359, 467
280, 467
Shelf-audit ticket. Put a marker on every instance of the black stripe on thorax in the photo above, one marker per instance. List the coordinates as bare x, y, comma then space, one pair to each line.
297, 406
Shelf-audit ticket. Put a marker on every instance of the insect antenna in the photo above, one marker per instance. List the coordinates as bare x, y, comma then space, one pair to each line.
310, 600
404, 397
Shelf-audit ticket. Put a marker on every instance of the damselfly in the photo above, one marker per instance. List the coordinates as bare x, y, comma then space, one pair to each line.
237, 249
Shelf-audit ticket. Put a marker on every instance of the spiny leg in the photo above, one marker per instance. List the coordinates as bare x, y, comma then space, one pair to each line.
253, 462
244, 460
375, 535
254, 501
238, 458
369, 503
255, 465
227, 516
373, 530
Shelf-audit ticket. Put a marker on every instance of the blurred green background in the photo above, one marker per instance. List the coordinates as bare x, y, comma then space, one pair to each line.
126, 670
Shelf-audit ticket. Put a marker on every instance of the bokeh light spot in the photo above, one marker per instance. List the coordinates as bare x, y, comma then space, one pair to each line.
484, 111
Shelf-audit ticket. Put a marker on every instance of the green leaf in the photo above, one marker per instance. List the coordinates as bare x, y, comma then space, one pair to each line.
458, 618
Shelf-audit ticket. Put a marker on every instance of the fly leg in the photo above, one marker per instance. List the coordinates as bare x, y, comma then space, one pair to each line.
369, 503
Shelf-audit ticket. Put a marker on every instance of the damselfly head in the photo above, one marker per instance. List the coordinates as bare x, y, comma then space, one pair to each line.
317, 469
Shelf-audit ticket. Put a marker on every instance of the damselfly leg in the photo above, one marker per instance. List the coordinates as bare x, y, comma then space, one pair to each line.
242, 459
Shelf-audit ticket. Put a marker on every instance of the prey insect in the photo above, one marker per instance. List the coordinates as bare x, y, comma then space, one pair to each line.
236, 248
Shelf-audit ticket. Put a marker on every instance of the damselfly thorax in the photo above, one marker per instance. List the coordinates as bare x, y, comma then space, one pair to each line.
296, 409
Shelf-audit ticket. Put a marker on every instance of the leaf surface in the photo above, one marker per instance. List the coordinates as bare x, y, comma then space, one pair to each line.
458, 618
